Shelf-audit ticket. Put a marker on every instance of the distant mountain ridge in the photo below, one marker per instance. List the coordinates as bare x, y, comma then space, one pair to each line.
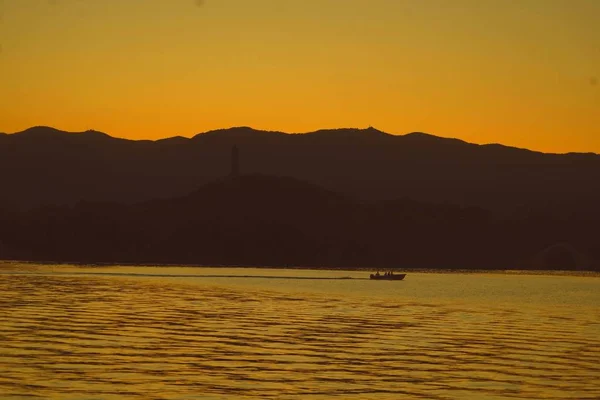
241, 131
43, 165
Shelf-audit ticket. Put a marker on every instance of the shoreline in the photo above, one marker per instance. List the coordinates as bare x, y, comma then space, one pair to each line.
441, 270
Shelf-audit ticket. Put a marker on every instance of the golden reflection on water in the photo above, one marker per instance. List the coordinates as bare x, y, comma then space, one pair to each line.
117, 336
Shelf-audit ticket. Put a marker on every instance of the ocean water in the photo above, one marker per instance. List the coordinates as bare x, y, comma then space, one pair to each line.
69, 332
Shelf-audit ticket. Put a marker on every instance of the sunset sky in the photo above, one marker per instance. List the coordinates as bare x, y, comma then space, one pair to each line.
520, 72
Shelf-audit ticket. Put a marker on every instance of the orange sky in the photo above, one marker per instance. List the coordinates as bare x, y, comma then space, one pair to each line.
524, 73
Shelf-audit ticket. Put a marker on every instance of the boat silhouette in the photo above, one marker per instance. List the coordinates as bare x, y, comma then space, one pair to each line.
388, 276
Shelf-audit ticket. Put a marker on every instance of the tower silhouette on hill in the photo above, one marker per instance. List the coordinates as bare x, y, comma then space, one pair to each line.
235, 162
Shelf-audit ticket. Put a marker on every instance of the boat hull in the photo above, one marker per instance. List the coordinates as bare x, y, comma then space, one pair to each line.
397, 277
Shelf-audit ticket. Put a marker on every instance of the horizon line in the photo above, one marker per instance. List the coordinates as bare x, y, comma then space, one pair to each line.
369, 128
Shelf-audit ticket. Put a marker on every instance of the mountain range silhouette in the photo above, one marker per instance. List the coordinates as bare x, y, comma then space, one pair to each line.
332, 198
42, 165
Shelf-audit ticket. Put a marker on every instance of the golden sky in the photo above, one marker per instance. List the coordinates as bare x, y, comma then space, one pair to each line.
520, 72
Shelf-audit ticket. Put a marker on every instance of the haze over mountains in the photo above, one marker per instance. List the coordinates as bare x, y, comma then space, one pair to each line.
42, 165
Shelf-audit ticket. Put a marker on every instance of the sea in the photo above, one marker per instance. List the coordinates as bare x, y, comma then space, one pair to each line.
75, 332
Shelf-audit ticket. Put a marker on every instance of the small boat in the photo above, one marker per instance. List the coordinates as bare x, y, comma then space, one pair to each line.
388, 277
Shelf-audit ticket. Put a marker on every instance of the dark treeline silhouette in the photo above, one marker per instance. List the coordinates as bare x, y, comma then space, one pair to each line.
260, 220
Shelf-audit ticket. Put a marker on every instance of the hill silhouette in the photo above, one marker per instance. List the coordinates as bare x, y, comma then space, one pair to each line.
260, 220
42, 166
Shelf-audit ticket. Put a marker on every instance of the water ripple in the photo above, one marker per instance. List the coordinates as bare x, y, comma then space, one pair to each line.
114, 337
